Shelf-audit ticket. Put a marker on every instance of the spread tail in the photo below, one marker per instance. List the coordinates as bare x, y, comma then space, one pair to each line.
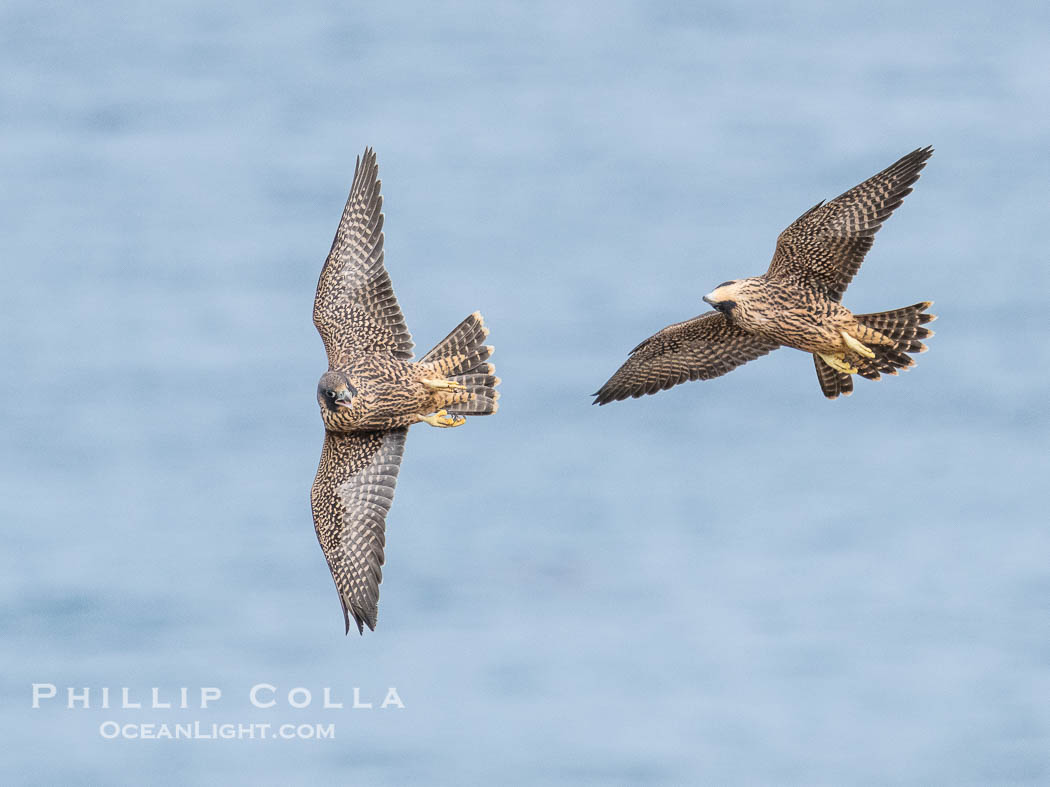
463, 358
903, 327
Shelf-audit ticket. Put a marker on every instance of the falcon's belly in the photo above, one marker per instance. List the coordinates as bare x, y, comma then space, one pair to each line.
797, 318
388, 393
807, 331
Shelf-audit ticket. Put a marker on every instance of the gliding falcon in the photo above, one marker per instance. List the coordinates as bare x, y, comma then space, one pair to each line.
373, 391
795, 304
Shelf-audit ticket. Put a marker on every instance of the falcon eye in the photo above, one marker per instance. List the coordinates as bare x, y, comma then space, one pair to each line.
726, 307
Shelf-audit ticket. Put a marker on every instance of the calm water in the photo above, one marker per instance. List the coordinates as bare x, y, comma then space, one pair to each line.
732, 582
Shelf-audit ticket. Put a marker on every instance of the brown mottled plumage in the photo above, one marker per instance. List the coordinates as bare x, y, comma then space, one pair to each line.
373, 391
795, 303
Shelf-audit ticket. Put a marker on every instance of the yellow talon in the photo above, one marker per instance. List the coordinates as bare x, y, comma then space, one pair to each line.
838, 362
856, 346
443, 420
441, 385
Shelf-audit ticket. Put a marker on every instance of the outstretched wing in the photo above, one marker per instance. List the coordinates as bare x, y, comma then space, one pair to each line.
355, 310
824, 247
699, 349
350, 497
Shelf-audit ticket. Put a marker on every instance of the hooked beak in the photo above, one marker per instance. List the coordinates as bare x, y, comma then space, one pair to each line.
344, 397
707, 299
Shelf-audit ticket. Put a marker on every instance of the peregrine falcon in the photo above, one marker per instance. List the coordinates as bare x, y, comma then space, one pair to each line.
796, 303
373, 391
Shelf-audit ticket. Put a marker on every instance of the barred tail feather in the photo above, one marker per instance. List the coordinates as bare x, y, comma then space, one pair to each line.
465, 337
483, 401
483, 380
905, 328
886, 361
474, 363
463, 358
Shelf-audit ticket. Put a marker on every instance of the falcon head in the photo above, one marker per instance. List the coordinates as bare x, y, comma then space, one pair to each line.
725, 296
334, 391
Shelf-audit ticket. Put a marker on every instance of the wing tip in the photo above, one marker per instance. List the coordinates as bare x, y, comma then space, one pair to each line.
360, 619
364, 164
910, 166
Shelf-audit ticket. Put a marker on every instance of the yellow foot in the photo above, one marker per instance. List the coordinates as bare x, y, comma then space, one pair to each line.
839, 363
856, 346
443, 420
441, 385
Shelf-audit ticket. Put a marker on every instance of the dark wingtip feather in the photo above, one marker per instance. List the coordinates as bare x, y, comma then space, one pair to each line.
346, 613
361, 622
358, 619
918, 157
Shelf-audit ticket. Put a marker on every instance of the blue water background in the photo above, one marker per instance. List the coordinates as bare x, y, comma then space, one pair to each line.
732, 582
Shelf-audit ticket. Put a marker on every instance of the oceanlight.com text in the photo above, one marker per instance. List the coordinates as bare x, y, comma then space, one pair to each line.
205, 731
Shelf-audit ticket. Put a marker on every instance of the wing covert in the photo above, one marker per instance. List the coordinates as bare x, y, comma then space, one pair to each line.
705, 347
825, 246
355, 309
351, 496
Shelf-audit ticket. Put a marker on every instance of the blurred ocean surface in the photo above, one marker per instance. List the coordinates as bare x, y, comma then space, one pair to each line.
732, 582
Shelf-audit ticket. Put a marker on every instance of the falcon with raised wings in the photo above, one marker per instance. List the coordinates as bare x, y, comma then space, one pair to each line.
796, 303
373, 391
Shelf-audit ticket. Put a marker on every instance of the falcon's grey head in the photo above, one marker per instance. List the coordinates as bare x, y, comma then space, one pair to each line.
334, 391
